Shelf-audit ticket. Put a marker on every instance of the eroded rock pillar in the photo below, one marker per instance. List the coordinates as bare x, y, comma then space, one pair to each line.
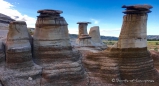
134, 29
130, 59
18, 47
83, 38
52, 50
19, 68
95, 34
131, 52
82, 28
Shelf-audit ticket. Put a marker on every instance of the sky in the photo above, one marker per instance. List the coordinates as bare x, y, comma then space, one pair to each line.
107, 14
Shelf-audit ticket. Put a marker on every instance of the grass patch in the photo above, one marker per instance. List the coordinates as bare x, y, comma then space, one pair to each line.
151, 45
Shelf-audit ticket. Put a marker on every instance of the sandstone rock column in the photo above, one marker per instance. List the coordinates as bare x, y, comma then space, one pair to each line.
95, 34
131, 52
82, 28
19, 65
52, 50
83, 38
134, 29
18, 47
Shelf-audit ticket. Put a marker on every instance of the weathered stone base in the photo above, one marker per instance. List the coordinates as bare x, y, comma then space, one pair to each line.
2, 56
116, 64
85, 42
61, 67
20, 76
20, 59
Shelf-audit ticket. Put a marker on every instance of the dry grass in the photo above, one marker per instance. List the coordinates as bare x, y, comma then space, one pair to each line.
151, 45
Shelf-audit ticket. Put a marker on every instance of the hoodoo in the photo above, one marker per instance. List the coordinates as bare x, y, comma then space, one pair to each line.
19, 58
18, 46
83, 38
130, 59
95, 34
52, 50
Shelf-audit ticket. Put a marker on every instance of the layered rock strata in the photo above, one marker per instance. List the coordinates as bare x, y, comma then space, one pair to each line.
84, 39
130, 60
95, 34
4, 25
155, 57
53, 51
19, 65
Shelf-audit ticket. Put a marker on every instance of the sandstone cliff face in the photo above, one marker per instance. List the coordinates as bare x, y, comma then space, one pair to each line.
53, 51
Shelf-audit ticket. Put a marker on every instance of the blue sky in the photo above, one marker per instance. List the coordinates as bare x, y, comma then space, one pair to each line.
107, 14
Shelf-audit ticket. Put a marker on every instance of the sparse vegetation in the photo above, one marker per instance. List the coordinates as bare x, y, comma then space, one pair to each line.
157, 43
109, 43
156, 49
151, 45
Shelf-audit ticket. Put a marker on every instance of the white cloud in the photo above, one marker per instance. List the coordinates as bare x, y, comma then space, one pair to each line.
95, 21
8, 9
73, 31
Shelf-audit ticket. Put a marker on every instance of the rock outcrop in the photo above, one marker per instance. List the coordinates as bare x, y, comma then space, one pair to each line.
5, 19
53, 51
129, 62
4, 25
19, 65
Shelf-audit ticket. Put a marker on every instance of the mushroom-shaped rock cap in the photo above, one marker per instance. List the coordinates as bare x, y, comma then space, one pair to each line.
137, 9
49, 11
83, 22
18, 22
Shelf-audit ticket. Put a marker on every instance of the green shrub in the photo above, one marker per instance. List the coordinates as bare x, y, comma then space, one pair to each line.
157, 43
156, 49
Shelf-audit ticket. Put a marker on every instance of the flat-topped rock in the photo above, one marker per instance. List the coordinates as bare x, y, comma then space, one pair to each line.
18, 22
137, 9
49, 11
83, 22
